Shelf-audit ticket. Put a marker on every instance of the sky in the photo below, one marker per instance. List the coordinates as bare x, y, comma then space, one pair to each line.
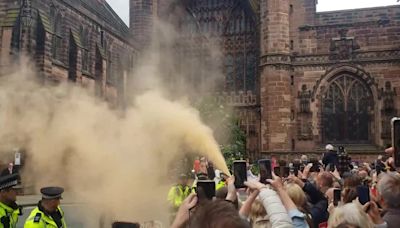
122, 6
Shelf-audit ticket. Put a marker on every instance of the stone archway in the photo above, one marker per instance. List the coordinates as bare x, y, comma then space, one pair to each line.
345, 99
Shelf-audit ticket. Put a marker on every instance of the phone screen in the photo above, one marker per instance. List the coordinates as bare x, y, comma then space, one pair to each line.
315, 166
396, 140
282, 171
363, 194
240, 172
337, 195
277, 171
125, 225
265, 170
286, 171
205, 189
296, 168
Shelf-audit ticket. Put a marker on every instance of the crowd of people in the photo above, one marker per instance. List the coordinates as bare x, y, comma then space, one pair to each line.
332, 192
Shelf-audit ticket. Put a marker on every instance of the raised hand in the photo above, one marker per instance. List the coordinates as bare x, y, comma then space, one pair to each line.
182, 216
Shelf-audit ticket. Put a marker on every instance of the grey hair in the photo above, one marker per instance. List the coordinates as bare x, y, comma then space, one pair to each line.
389, 189
350, 214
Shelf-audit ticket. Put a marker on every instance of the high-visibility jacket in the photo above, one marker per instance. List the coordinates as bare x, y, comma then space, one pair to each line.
220, 185
8, 216
177, 194
39, 219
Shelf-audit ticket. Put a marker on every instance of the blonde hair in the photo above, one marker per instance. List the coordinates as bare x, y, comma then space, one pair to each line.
257, 210
296, 194
350, 214
258, 215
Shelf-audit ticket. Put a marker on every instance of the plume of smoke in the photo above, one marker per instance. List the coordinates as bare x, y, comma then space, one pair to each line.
105, 159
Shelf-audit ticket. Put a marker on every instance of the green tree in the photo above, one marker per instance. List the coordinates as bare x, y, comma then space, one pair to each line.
220, 117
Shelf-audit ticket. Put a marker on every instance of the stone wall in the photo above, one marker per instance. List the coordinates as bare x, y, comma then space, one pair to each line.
275, 96
106, 37
363, 41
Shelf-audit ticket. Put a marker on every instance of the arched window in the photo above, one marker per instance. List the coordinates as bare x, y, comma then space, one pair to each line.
239, 71
346, 105
242, 23
251, 71
230, 84
110, 68
57, 36
84, 33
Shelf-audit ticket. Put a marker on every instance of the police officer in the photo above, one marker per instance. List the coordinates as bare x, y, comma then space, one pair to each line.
9, 210
48, 212
178, 193
221, 183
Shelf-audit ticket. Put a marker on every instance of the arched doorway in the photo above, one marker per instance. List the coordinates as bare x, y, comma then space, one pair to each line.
347, 103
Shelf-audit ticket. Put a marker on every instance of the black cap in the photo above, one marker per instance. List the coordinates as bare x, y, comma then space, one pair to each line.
51, 192
202, 176
8, 181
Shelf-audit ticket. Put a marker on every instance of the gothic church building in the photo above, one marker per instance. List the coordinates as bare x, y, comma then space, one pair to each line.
298, 78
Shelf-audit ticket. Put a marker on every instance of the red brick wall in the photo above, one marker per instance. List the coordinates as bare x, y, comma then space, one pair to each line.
275, 96
377, 33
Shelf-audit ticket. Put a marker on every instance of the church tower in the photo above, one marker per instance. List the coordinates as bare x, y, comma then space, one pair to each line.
142, 14
275, 81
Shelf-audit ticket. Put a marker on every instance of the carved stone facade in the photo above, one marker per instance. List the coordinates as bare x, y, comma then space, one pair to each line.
322, 76
83, 42
298, 78
351, 60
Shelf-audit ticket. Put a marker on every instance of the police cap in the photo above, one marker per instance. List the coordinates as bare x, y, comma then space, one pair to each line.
51, 192
8, 181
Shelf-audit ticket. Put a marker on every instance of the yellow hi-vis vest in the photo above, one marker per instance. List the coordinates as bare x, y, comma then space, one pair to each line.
8, 216
220, 185
38, 219
177, 194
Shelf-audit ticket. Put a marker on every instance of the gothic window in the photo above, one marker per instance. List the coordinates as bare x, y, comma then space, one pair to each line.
305, 97
53, 13
242, 24
387, 94
118, 71
237, 24
57, 36
110, 68
229, 72
346, 105
251, 67
239, 67
85, 48
102, 39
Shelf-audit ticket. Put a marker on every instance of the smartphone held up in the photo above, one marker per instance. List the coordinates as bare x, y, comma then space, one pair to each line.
205, 189
240, 173
265, 170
